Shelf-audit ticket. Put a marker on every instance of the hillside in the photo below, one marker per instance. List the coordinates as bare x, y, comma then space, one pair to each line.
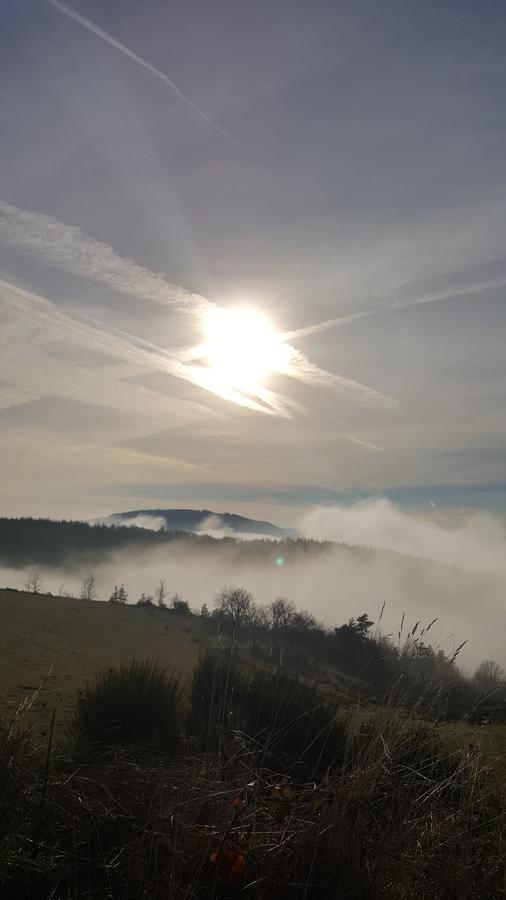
332, 581
61, 643
50, 647
58, 644
48, 542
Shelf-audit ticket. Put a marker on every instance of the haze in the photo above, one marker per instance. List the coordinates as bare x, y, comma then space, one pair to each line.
252, 259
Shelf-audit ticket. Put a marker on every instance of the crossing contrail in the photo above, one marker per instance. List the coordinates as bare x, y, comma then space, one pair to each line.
96, 335
459, 290
109, 39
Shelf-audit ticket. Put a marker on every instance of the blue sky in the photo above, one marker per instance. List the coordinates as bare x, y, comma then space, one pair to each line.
327, 161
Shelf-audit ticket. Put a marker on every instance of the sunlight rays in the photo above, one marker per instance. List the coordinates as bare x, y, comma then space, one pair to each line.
239, 351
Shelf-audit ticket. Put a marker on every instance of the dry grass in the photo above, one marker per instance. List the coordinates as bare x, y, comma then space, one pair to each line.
400, 817
55, 645
58, 644
132, 826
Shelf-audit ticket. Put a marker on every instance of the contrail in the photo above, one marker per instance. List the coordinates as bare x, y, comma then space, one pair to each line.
108, 38
69, 248
362, 443
455, 291
132, 349
302, 368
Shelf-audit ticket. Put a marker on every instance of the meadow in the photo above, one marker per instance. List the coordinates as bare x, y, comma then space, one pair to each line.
203, 770
52, 646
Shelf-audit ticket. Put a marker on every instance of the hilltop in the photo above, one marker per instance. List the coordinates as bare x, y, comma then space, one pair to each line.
200, 521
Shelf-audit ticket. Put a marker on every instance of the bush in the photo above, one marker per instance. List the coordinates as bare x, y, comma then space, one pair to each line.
287, 724
131, 703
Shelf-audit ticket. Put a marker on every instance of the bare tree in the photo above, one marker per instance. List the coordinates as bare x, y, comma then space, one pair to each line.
89, 588
235, 604
258, 622
161, 593
33, 583
489, 674
282, 615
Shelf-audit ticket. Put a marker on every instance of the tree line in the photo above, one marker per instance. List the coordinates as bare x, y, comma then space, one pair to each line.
294, 640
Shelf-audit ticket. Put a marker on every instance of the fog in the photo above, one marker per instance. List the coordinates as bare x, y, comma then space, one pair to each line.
459, 575
476, 544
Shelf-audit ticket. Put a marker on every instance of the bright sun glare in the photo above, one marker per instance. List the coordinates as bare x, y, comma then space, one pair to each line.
242, 348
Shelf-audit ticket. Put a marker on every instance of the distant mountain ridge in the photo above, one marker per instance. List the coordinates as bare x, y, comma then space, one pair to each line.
198, 521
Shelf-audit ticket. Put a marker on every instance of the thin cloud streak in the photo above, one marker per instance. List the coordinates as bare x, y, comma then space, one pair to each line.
303, 369
355, 440
109, 39
448, 294
132, 349
67, 247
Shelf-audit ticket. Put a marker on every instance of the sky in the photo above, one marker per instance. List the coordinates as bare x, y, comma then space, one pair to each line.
333, 171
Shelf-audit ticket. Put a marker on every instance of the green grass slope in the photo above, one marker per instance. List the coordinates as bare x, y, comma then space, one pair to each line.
53, 646
58, 644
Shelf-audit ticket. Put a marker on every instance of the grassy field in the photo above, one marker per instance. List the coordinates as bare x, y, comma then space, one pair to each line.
58, 644
490, 740
372, 805
61, 643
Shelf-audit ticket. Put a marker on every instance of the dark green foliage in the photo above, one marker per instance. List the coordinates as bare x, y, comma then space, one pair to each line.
217, 688
178, 605
289, 727
132, 703
34, 542
119, 594
297, 730
355, 652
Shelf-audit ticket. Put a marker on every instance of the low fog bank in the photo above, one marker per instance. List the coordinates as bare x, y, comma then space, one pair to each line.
150, 523
476, 544
334, 582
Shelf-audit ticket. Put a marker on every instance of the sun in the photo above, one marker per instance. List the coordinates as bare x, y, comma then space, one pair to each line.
242, 348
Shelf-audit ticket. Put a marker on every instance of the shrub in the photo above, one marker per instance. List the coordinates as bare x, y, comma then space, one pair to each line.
119, 594
131, 703
287, 724
178, 605
215, 691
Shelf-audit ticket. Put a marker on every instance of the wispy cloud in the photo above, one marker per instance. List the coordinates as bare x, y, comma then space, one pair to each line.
303, 369
362, 443
121, 48
67, 247
129, 348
